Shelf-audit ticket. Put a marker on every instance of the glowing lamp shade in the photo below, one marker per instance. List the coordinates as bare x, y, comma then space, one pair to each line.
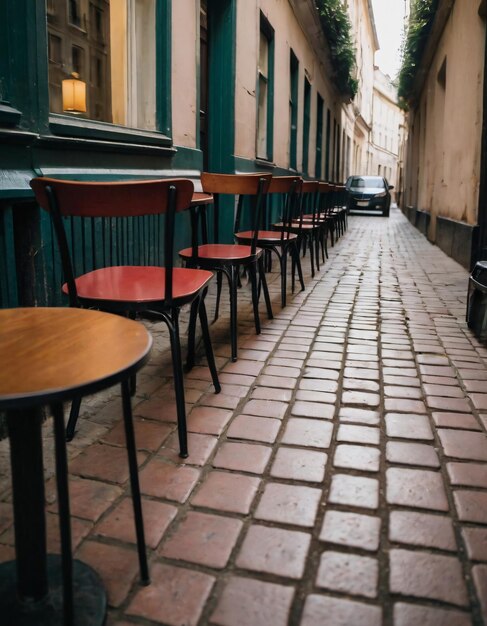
74, 95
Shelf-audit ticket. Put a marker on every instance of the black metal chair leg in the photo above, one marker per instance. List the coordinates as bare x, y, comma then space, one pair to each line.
191, 335
133, 385
326, 239
210, 357
64, 514
233, 275
265, 289
283, 262
316, 244
311, 256
73, 418
177, 364
134, 482
219, 282
297, 262
255, 294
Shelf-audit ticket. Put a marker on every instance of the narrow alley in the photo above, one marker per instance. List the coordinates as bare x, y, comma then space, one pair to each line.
339, 478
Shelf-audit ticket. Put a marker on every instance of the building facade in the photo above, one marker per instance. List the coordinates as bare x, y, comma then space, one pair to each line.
444, 162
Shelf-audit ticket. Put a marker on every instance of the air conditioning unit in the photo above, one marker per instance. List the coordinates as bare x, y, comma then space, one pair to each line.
477, 301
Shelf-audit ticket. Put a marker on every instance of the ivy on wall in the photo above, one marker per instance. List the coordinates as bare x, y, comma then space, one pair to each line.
338, 32
416, 36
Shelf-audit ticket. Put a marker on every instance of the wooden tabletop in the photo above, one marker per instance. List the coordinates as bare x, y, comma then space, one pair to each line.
49, 354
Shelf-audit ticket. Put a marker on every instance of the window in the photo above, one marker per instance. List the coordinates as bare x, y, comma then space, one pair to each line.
113, 52
293, 109
54, 44
319, 136
327, 149
306, 124
265, 91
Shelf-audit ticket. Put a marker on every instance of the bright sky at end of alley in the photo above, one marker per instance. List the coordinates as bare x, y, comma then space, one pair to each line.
389, 21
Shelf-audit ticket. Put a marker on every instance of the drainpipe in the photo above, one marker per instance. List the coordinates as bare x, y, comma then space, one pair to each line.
480, 252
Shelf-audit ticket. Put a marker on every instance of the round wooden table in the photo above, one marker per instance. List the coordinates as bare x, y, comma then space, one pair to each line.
51, 355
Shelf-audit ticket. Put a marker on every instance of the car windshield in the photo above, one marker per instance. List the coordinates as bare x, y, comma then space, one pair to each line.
367, 181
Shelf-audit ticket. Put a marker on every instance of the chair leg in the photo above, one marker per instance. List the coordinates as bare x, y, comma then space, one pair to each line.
311, 255
316, 237
64, 514
232, 278
173, 326
255, 294
219, 282
191, 335
325, 239
134, 482
73, 418
267, 297
297, 262
283, 262
210, 357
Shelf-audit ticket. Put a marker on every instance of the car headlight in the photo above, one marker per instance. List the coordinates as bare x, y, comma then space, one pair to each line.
381, 195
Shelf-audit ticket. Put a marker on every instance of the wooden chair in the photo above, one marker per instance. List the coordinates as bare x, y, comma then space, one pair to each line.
227, 259
131, 289
282, 242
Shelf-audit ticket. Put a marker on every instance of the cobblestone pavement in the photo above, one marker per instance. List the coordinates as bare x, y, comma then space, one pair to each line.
339, 478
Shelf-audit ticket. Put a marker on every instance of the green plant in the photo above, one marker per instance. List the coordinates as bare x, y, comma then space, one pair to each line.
338, 32
414, 43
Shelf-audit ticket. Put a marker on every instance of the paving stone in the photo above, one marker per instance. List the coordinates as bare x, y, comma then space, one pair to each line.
318, 385
276, 381
426, 575
248, 602
417, 488
408, 426
479, 401
119, 523
348, 573
355, 491
339, 612
358, 434
297, 464
412, 454
307, 432
200, 449
265, 408
409, 614
104, 462
421, 529
351, 529
89, 499
360, 398
208, 420
269, 393
396, 391
242, 457
467, 474
116, 565
161, 601
274, 551
289, 504
444, 391
227, 492
403, 405
262, 429
471, 506
455, 420
316, 396
360, 385
312, 409
476, 543
163, 480
362, 458
479, 573
149, 435
203, 539
463, 444
360, 416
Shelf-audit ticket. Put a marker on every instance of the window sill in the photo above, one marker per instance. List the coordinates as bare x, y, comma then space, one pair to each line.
264, 163
8, 115
65, 126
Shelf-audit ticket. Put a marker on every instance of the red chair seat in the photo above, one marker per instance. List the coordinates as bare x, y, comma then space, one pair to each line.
266, 236
221, 252
139, 283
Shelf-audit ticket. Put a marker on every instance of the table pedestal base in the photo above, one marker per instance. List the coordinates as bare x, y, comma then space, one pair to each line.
90, 603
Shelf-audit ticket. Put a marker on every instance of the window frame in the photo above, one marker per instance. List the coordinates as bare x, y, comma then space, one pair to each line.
69, 127
307, 91
267, 31
293, 109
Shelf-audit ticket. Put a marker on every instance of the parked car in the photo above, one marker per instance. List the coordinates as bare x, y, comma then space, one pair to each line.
368, 193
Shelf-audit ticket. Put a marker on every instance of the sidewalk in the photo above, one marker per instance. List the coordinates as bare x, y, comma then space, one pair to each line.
339, 479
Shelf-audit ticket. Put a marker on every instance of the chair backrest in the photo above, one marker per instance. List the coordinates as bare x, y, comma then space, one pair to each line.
121, 199
289, 188
309, 198
241, 186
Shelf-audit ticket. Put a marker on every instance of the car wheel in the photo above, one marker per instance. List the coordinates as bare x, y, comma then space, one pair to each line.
385, 213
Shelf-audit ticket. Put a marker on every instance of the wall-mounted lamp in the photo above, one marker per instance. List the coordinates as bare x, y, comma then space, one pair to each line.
74, 94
